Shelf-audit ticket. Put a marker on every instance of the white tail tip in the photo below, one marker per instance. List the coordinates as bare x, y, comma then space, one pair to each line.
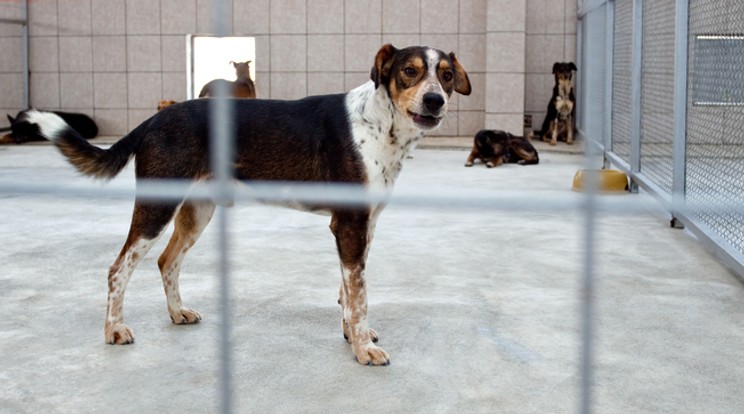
50, 124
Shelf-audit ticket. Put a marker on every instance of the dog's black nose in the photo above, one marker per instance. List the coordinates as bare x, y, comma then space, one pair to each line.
433, 102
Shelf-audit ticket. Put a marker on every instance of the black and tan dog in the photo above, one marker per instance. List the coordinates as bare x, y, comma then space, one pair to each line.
360, 137
494, 147
559, 121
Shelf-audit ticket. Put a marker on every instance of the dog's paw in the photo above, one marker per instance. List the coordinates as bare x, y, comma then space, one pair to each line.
569, 142
185, 316
119, 334
372, 333
468, 164
490, 164
371, 354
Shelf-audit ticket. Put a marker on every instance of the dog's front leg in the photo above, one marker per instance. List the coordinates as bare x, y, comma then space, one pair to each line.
570, 132
353, 231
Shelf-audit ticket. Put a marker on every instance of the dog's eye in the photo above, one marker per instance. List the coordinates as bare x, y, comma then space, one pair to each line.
410, 72
447, 76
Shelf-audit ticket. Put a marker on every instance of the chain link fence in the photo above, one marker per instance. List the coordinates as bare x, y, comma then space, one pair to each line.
676, 75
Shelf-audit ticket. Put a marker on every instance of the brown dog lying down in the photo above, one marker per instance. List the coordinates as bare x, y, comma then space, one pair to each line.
495, 147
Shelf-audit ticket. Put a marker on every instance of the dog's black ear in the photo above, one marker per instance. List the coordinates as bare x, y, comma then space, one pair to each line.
383, 63
556, 66
572, 66
10, 118
462, 82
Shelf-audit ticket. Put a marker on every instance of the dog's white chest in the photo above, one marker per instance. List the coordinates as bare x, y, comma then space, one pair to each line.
376, 128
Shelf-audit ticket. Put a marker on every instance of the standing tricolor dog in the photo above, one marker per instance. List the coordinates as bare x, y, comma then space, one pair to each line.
360, 137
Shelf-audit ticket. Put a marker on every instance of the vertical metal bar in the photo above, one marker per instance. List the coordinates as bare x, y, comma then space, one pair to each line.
221, 152
25, 57
636, 73
586, 361
580, 74
680, 109
609, 53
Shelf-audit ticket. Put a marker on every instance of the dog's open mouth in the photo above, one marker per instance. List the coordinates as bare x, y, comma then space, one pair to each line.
425, 121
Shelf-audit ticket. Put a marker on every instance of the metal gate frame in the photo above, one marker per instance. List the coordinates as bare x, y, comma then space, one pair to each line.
596, 128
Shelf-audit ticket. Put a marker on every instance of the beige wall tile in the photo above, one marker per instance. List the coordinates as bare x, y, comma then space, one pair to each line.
288, 53
476, 101
143, 17
545, 16
143, 89
506, 52
111, 121
76, 90
325, 16
473, 16
571, 11
263, 53
448, 128
75, 54
143, 53
401, 40
512, 123
472, 52
401, 16
204, 19
42, 17
360, 52
44, 90
542, 52
108, 17
538, 90
177, 16
110, 90
75, 17
251, 17
109, 54
288, 85
322, 83
505, 93
174, 86
288, 17
44, 54
506, 15
138, 116
363, 16
439, 16
11, 91
263, 85
355, 79
173, 53
470, 122
325, 53
10, 46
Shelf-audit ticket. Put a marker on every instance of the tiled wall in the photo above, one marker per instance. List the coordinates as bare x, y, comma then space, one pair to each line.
114, 59
551, 37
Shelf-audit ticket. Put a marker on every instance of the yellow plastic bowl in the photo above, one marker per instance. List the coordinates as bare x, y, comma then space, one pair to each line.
608, 181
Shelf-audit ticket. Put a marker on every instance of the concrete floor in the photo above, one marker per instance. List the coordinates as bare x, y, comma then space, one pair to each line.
479, 310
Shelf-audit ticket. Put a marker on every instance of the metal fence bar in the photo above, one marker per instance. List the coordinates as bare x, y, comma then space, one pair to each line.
636, 73
222, 137
680, 108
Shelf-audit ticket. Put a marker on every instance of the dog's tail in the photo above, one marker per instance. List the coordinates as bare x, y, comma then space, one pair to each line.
88, 159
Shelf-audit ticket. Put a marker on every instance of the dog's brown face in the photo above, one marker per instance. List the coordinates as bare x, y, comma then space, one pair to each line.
242, 69
420, 81
563, 72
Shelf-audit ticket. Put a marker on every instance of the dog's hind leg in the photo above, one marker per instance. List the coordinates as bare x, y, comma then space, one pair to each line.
148, 222
190, 221
471, 158
354, 231
570, 130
